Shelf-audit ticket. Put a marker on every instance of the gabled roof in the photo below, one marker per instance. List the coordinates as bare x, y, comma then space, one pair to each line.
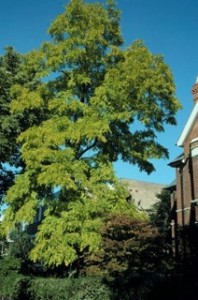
188, 126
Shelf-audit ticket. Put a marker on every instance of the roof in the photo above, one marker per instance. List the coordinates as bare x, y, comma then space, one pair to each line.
143, 193
172, 185
178, 161
188, 126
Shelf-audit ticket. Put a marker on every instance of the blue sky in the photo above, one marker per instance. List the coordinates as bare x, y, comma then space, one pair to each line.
167, 27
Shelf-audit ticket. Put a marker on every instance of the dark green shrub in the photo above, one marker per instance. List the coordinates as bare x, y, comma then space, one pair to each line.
9, 264
160, 213
13, 286
21, 245
66, 289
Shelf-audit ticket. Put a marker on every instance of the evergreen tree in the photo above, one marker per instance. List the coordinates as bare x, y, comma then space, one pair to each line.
161, 212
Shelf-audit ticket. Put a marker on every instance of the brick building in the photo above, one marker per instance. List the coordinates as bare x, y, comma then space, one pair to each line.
184, 191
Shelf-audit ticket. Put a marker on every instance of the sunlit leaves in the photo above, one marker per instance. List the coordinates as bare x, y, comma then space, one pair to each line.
96, 103
77, 228
25, 99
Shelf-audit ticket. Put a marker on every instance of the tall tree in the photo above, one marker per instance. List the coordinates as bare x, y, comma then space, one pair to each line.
103, 103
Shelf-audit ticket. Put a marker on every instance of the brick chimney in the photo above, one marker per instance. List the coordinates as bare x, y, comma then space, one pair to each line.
195, 91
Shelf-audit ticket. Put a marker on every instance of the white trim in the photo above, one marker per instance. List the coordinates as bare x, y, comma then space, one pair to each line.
188, 126
194, 201
194, 152
185, 208
194, 140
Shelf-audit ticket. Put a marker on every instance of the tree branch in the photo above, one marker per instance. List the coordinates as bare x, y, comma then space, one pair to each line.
87, 148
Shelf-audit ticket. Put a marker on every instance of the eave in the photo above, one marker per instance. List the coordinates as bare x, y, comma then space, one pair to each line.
177, 162
171, 186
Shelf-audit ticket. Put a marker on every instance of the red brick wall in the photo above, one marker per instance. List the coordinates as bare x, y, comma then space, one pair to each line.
183, 195
187, 180
179, 188
195, 175
186, 212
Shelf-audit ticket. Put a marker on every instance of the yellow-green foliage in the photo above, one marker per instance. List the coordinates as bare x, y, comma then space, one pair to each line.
74, 227
94, 95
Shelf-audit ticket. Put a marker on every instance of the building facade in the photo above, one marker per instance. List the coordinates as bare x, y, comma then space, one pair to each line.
184, 191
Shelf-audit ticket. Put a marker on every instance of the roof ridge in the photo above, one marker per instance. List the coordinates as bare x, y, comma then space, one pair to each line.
143, 181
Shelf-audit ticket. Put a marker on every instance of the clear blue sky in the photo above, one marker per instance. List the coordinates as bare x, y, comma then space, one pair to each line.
167, 27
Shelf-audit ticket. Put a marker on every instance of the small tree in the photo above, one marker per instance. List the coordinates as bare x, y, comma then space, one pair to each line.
21, 245
128, 245
131, 258
161, 212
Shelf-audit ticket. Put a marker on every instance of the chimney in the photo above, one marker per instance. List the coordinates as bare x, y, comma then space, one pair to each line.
195, 91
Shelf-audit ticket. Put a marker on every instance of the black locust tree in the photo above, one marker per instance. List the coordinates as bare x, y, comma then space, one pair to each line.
102, 103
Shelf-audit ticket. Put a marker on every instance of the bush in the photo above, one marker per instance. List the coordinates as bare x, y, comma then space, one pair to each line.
66, 289
127, 244
9, 264
21, 245
13, 286
132, 257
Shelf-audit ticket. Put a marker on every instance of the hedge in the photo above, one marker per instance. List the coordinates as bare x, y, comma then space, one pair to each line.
13, 286
16, 287
62, 289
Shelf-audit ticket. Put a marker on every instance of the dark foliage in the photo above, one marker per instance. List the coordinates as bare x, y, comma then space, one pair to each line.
13, 283
13, 71
21, 245
74, 289
160, 214
132, 258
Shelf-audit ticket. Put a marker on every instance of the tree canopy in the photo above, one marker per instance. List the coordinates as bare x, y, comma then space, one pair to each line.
101, 103
13, 71
9, 127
